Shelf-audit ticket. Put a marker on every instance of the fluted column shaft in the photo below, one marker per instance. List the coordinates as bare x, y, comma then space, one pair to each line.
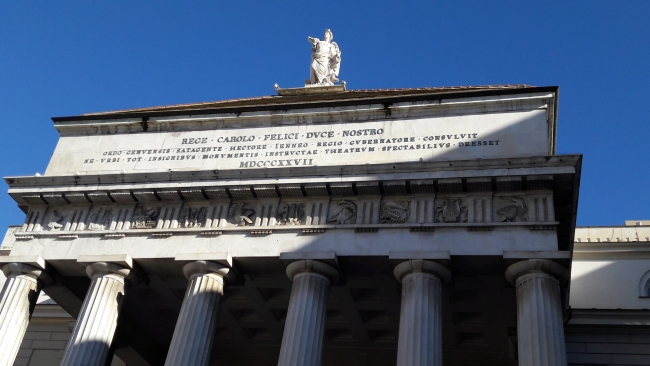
17, 300
420, 327
194, 332
302, 341
540, 330
93, 333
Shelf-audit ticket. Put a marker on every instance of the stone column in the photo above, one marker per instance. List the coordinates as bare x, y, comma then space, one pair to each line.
93, 333
540, 330
302, 341
197, 321
420, 325
17, 301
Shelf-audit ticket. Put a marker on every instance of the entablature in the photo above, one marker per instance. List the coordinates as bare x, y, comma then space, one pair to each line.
536, 193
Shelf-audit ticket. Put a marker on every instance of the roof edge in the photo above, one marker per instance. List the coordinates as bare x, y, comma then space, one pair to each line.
310, 104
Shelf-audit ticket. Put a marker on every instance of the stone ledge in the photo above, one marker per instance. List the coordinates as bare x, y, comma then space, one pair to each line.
542, 165
473, 226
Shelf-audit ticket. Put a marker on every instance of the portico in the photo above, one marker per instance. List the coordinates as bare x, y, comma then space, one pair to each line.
173, 242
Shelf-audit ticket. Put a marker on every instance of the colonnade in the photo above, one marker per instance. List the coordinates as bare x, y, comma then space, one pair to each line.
539, 313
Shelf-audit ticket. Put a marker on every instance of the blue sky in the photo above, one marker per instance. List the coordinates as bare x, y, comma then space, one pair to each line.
67, 58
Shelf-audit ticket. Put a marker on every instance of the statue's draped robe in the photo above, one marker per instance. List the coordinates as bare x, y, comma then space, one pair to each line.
322, 51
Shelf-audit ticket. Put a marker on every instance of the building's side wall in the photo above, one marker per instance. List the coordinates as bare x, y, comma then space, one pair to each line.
608, 284
46, 338
44, 342
607, 347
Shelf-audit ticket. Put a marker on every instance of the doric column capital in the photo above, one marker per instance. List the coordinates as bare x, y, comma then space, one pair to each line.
200, 268
120, 266
97, 269
312, 266
22, 269
536, 266
422, 266
32, 267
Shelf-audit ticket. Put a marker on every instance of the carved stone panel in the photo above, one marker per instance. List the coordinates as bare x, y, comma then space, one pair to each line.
343, 212
510, 209
193, 217
146, 217
449, 210
241, 213
105, 218
394, 211
291, 213
100, 218
55, 220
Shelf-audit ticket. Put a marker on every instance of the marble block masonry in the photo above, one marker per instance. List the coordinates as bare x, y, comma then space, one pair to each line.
322, 226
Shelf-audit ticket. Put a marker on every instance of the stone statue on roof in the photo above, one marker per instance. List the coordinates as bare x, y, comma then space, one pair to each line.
326, 61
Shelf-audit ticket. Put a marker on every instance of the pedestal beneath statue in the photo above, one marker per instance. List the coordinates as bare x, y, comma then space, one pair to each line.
311, 89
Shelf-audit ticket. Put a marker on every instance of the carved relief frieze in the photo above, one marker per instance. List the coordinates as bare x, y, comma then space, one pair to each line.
101, 219
343, 213
394, 212
291, 214
451, 210
240, 214
192, 217
55, 220
511, 209
420, 210
146, 217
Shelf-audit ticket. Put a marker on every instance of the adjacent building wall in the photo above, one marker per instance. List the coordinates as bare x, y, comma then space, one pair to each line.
610, 311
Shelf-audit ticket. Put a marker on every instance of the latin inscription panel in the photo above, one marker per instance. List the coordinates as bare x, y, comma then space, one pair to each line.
466, 137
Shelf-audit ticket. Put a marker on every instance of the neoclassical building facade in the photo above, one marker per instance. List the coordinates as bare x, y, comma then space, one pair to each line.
317, 227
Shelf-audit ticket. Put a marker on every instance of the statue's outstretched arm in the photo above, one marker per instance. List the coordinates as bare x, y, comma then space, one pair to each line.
312, 40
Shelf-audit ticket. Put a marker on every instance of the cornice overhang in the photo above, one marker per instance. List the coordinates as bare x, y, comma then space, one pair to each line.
279, 103
555, 164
